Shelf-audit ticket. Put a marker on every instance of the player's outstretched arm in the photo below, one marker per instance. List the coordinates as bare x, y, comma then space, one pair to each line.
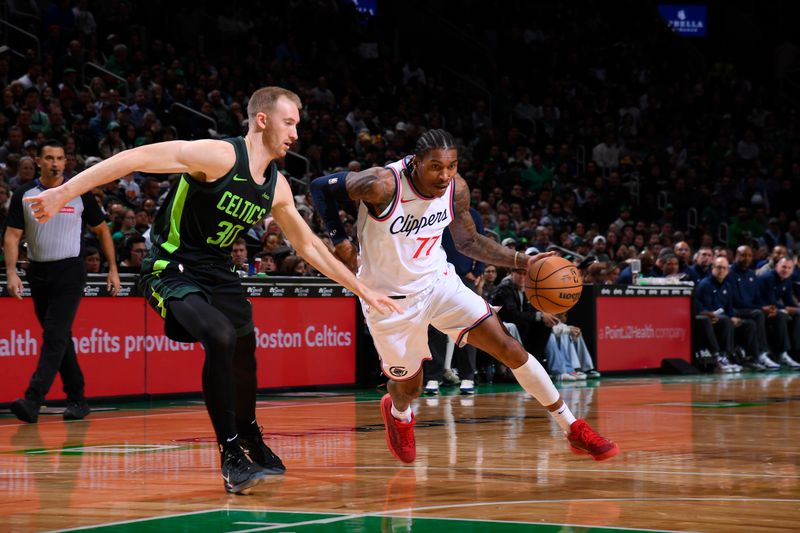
313, 250
472, 244
206, 160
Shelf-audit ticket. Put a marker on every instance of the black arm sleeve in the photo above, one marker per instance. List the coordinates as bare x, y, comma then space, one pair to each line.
92, 215
325, 191
16, 218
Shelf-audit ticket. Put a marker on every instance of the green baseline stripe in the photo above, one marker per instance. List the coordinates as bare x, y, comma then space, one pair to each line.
174, 240
218, 521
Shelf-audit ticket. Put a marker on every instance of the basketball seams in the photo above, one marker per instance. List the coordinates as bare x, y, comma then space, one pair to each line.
537, 294
559, 269
538, 297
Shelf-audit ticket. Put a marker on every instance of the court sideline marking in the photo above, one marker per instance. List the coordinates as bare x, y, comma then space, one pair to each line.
345, 517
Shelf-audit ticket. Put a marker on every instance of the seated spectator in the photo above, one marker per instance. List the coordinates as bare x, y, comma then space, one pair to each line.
92, 260
775, 288
648, 269
14, 144
721, 251
747, 304
606, 154
558, 353
504, 230
714, 315
239, 256
124, 222
293, 265
143, 222
684, 253
133, 251
597, 273
487, 282
568, 356
267, 264
130, 188
151, 190
700, 268
667, 263
26, 172
281, 253
510, 242
765, 265
271, 241
599, 249
773, 236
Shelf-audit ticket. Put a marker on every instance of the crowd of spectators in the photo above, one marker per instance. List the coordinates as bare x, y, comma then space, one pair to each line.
577, 129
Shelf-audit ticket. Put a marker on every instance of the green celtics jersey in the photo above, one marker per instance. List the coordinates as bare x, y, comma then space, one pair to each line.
198, 222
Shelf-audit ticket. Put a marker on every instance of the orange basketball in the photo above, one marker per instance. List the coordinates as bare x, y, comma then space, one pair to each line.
553, 285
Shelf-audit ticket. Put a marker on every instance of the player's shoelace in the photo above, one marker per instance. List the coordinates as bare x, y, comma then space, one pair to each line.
591, 438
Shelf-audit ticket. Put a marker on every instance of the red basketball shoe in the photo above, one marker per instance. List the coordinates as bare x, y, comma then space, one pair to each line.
584, 440
399, 434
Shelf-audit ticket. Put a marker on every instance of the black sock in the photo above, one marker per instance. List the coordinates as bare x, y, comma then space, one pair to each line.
246, 383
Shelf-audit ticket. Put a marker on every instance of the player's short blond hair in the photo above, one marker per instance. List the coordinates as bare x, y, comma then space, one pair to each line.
264, 99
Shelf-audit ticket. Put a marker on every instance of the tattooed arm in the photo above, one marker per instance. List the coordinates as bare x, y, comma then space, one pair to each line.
374, 186
472, 244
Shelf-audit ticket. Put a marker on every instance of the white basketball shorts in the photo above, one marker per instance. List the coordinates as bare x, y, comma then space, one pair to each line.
402, 338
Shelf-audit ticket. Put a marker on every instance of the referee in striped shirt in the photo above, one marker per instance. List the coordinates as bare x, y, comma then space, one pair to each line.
56, 276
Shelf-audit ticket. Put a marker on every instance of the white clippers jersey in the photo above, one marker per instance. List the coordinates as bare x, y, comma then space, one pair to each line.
401, 251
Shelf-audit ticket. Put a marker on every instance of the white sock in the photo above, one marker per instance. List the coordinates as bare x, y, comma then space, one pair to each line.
564, 417
403, 416
534, 379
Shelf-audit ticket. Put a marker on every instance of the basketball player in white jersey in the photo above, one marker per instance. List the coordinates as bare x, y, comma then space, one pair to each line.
404, 209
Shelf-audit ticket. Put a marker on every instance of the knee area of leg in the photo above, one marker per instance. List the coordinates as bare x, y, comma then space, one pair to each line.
512, 353
246, 343
222, 337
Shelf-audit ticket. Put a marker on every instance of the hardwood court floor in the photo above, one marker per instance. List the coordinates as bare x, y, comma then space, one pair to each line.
708, 453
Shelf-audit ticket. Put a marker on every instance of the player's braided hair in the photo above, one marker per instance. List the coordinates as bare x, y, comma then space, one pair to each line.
432, 140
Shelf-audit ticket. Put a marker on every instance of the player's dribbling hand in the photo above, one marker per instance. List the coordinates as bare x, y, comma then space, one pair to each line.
46, 204
538, 257
380, 302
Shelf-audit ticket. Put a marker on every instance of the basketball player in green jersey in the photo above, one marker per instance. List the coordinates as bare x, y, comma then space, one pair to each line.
226, 187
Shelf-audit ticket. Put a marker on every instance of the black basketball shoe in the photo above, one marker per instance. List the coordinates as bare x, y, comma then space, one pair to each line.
76, 410
26, 410
238, 472
253, 445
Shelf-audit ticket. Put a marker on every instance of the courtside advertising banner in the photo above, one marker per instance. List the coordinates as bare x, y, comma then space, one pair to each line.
106, 333
638, 332
299, 342
122, 348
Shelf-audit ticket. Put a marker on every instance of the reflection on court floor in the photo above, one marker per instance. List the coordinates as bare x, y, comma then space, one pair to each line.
698, 454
